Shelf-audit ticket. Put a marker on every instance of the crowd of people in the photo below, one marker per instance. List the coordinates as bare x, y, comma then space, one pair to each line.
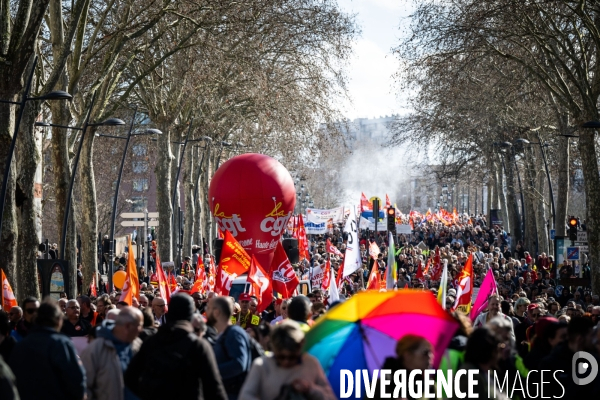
209, 346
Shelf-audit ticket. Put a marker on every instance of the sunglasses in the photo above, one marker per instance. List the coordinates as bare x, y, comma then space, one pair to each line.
284, 308
31, 310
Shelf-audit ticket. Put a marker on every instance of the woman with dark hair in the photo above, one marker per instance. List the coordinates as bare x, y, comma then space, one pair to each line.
412, 353
549, 332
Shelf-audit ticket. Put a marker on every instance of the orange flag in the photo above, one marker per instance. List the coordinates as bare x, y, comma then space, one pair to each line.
8, 297
163, 284
93, 291
200, 278
302, 240
131, 287
234, 259
464, 291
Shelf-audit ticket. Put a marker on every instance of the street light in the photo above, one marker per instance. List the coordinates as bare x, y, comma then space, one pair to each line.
116, 196
54, 95
542, 145
107, 122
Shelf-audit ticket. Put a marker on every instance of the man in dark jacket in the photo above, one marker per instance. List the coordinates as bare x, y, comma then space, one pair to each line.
45, 363
174, 363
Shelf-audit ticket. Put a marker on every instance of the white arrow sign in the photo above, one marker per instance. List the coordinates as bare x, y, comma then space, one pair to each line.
132, 223
133, 215
138, 223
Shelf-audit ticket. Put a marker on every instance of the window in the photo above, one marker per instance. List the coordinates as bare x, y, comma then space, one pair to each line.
139, 204
140, 185
140, 149
140, 167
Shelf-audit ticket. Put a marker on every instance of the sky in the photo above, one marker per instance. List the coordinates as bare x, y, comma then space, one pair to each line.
372, 65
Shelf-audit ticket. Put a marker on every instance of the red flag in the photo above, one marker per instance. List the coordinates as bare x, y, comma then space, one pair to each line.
283, 276
326, 276
388, 203
234, 259
224, 281
295, 227
406, 285
302, 240
260, 285
340, 274
464, 291
374, 250
163, 284
200, 278
200, 269
131, 287
374, 279
365, 204
420, 275
8, 297
210, 282
436, 270
332, 249
172, 282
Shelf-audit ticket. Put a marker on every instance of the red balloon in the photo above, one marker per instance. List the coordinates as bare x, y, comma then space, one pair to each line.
253, 197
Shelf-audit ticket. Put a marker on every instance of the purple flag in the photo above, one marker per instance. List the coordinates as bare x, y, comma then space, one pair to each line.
488, 287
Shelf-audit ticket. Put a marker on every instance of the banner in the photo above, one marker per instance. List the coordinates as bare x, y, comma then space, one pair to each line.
313, 228
352, 258
316, 215
317, 277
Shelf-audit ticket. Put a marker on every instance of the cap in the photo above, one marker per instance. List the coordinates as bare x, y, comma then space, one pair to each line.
532, 306
245, 297
278, 301
451, 292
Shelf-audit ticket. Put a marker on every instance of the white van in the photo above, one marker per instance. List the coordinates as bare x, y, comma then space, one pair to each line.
240, 286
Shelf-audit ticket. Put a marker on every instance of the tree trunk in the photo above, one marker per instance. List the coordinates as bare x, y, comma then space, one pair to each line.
512, 205
89, 218
206, 207
502, 194
589, 164
531, 238
29, 187
62, 176
197, 232
163, 194
541, 182
563, 187
177, 202
10, 230
188, 187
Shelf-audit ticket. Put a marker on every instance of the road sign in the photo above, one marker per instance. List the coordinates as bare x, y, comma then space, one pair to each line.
552, 234
133, 215
584, 249
582, 236
132, 223
572, 253
152, 215
138, 223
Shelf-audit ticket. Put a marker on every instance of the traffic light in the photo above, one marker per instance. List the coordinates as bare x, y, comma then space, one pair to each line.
391, 219
573, 228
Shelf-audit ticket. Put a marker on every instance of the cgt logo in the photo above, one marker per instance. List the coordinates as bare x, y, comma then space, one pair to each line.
275, 221
584, 367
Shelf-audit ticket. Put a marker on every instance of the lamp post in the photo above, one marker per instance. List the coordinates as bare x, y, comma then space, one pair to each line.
54, 95
107, 122
116, 196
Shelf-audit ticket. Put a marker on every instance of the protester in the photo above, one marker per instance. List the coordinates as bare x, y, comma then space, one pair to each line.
283, 309
15, 314
493, 312
45, 362
87, 313
74, 325
175, 363
106, 359
8, 387
287, 371
158, 308
299, 311
245, 317
30, 307
7, 342
232, 348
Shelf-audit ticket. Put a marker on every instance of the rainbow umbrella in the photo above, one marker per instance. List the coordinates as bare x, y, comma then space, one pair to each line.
361, 332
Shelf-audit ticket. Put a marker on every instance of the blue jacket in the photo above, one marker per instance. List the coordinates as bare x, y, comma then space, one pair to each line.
233, 354
46, 366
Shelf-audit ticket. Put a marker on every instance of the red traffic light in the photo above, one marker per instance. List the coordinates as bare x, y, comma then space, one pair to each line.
573, 221
391, 211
